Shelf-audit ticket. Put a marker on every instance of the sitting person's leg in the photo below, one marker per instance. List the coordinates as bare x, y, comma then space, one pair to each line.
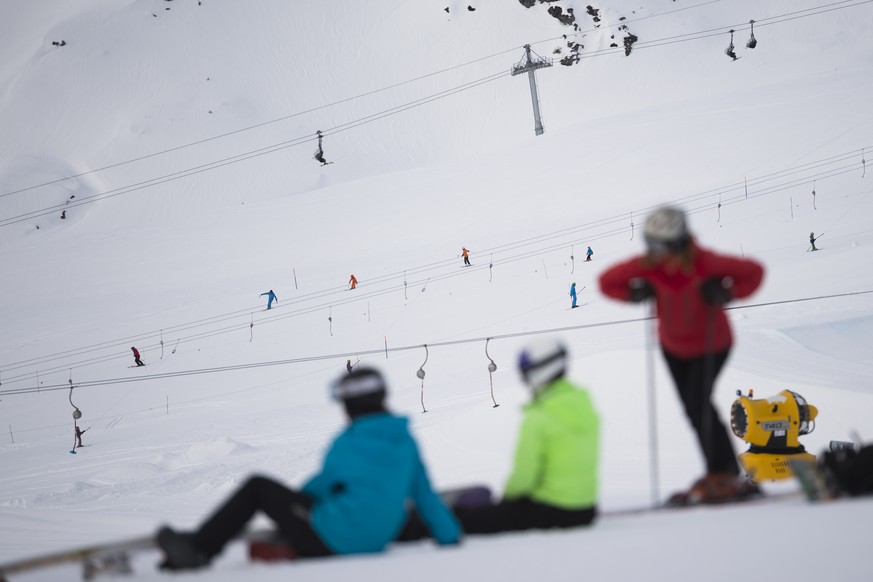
289, 509
521, 514
515, 515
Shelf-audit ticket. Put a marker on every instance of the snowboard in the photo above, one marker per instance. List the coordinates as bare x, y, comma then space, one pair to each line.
111, 558
811, 479
666, 506
263, 544
678, 502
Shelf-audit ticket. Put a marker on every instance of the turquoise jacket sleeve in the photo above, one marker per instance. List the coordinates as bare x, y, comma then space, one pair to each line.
441, 522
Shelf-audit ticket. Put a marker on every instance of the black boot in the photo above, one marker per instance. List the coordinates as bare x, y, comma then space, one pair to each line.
179, 551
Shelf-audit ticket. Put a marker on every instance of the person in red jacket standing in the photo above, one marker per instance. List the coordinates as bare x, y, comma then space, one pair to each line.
136, 357
690, 285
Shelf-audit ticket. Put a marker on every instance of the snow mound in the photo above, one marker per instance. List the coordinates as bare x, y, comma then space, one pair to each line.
212, 452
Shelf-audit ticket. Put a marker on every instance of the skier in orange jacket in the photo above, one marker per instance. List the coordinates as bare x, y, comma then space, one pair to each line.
465, 252
353, 282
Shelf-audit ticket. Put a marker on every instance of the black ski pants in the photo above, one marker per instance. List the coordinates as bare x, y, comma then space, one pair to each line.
515, 515
288, 508
695, 379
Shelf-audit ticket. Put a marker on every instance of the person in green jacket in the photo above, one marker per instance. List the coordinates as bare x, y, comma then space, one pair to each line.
553, 482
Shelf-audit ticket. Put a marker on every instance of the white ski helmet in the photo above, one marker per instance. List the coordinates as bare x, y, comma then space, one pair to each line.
541, 362
665, 229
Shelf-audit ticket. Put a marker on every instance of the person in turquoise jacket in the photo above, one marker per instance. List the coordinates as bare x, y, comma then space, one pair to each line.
553, 482
270, 298
357, 503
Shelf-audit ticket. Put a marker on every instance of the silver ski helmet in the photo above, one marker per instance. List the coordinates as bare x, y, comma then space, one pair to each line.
665, 229
541, 362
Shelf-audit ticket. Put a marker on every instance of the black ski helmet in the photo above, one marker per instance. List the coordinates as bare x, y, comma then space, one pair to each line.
361, 391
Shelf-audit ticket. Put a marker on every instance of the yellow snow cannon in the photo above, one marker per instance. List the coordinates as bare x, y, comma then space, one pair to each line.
772, 426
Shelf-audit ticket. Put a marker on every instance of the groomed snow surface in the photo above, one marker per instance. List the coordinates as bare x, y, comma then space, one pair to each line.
176, 245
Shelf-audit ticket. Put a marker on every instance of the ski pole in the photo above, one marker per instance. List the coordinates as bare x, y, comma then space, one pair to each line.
653, 414
708, 384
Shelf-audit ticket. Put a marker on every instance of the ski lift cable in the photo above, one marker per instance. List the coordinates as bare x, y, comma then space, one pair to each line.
660, 42
216, 319
420, 373
332, 104
245, 156
239, 157
700, 35
251, 127
212, 333
135, 379
815, 11
755, 181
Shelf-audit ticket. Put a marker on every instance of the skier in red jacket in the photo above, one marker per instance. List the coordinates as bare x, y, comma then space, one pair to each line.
136, 358
690, 285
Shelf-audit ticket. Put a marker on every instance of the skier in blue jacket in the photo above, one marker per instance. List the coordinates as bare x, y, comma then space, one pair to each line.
356, 504
573, 295
270, 298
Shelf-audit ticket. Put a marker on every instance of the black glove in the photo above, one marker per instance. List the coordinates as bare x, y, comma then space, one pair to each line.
717, 290
639, 290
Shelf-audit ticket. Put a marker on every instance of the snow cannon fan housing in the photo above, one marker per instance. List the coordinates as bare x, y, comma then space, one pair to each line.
772, 426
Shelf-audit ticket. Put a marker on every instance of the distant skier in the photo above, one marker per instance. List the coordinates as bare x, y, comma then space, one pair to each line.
465, 252
353, 282
79, 433
588, 254
319, 153
270, 298
349, 366
812, 240
136, 357
573, 295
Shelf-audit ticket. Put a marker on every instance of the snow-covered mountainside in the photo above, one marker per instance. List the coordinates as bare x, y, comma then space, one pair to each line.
157, 176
